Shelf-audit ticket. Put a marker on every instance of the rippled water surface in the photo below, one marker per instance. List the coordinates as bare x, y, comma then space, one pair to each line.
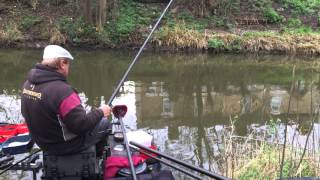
187, 101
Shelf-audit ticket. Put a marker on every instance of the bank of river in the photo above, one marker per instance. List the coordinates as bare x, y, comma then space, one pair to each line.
256, 42
35, 24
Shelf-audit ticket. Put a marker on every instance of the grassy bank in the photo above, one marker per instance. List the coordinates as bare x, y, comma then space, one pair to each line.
291, 27
248, 41
266, 164
260, 155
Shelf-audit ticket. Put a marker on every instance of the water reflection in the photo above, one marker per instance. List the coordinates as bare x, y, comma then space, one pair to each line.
187, 101
9, 110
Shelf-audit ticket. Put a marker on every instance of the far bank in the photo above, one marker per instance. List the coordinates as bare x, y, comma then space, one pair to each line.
277, 27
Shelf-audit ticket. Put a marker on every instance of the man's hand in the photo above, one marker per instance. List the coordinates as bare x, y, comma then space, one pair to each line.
106, 110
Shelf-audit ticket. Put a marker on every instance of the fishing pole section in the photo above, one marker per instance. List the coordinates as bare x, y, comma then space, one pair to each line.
195, 168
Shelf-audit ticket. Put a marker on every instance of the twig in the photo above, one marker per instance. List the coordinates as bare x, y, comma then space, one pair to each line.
311, 128
286, 122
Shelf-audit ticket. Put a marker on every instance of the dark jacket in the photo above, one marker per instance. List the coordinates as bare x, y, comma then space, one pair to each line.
53, 112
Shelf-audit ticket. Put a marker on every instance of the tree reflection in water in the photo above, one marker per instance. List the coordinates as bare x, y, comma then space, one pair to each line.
188, 101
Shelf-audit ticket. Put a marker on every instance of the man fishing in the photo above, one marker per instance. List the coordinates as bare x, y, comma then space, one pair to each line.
52, 109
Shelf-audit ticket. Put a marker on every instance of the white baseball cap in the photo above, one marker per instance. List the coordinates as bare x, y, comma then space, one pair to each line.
55, 51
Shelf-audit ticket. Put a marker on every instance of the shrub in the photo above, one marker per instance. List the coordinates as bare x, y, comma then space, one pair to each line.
294, 22
272, 15
236, 44
11, 33
303, 6
216, 43
76, 29
132, 16
29, 21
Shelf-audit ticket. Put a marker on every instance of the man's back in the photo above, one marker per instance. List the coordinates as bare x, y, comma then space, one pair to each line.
41, 97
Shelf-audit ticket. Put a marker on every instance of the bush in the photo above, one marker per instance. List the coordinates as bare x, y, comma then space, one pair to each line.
76, 29
303, 6
294, 22
272, 15
132, 16
11, 33
216, 43
29, 21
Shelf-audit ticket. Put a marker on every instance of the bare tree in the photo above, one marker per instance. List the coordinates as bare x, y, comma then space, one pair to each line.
101, 14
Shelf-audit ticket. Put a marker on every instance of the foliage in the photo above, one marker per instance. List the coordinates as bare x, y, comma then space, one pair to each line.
11, 33
303, 6
299, 30
29, 21
191, 22
272, 15
294, 22
304, 30
132, 16
76, 29
266, 165
216, 43
273, 126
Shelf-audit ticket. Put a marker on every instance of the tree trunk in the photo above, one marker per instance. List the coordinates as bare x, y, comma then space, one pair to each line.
87, 13
114, 11
102, 14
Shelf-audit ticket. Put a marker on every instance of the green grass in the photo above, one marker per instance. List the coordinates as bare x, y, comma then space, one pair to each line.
191, 22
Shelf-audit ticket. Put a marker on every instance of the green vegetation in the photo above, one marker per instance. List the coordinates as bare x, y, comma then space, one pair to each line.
272, 15
132, 16
10, 33
266, 166
29, 21
233, 26
294, 23
303, 6
216, 44
190, 22
259, 155
76, 29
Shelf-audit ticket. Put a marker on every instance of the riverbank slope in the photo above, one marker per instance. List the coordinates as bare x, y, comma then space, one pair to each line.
282, 26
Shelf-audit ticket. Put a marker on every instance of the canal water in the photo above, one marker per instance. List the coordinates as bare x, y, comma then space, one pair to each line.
188, 101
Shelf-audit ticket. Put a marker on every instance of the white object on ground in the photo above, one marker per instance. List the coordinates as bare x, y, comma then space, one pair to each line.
139, 137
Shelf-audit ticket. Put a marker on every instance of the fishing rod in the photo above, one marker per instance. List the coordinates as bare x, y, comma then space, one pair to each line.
115, 92
9, 167
200, 170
